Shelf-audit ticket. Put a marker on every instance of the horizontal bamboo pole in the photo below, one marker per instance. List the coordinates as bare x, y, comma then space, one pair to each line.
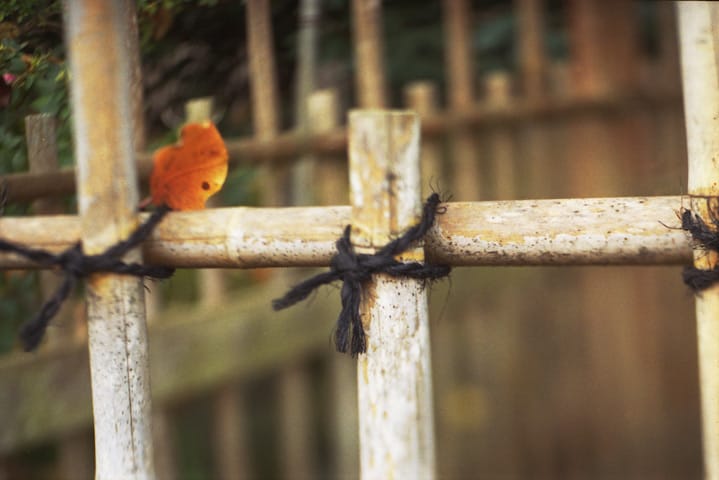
591, 231
47, 395
24, 187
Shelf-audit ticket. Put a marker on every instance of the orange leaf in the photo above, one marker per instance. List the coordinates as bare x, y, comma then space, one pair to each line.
185, 175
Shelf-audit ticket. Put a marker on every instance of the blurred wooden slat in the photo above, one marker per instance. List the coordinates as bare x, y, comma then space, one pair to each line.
369, 55
466, 174
75, 450
265, 102
500, 140
194, 353
332, 188
532, 59
422, 98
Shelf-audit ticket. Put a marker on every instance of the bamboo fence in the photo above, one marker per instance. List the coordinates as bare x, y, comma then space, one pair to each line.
396, 425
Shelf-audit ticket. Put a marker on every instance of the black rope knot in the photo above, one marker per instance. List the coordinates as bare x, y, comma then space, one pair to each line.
707, 238
76, 265
356, 269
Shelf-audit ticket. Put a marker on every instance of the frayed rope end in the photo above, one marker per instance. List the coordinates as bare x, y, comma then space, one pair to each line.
705, 237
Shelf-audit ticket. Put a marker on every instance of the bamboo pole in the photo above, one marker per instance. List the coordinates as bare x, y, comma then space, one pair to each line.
323, 109
265, 107
42, 157
699, 49
396, 421
532, 61
297, 436
304, 171
422, 98
367, 36
97, 35
501, 139
74, 450
297, 429
230, 448
602, 231
460, 94
332, 185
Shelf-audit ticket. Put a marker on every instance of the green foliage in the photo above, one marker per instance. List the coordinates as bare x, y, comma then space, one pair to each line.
28, 11
39, 86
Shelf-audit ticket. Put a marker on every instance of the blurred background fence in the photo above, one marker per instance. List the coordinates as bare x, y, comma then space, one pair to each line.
540, 372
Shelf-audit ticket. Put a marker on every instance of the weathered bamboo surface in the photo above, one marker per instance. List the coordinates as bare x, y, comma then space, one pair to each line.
396, 414
48, 394
699, 48
591, 231
97, 36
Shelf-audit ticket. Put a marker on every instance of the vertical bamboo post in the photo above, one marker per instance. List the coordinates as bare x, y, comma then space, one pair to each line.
42, 155
369, 69
699, 50
263, 86
164, 453
42, 158
198, 110
74, 451
298, 436
394, 376
323, 113
534, 75
162, 432
297, 450
97, 35
303, 172
422, 98
228, 413
460, 94
531, 48
501, 139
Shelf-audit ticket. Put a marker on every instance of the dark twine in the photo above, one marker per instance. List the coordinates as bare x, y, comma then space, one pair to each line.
76, 265
355, 270
704, 237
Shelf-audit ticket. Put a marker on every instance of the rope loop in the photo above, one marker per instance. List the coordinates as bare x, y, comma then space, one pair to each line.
75, 265
355, 270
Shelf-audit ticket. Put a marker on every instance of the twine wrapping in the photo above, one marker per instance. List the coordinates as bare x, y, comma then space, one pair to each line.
355, 270
76, 265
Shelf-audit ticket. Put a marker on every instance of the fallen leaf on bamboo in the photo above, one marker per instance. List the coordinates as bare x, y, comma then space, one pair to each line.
185, 175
